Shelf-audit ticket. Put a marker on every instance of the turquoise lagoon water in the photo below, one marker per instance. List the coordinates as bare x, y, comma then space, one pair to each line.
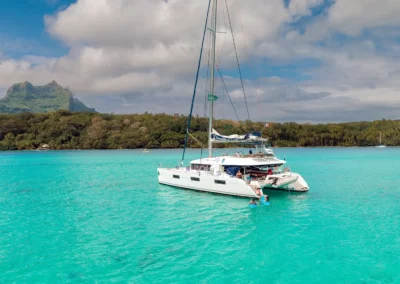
101, 216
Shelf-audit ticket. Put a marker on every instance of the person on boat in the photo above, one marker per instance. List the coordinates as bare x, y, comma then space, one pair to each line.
250, 152
239, 174
258, 191
266, 198
269, 172
253, 201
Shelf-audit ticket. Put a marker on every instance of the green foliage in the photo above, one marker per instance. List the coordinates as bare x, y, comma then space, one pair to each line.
82, 130
24, 97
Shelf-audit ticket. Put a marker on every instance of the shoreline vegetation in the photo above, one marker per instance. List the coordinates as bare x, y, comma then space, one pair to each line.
64, 130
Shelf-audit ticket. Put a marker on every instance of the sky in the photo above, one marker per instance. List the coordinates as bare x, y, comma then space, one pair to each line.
302, 60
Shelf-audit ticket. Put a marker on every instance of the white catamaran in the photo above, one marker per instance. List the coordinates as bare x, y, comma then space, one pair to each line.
259, 170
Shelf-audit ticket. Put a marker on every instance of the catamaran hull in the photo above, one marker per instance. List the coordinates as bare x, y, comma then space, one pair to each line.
205, 182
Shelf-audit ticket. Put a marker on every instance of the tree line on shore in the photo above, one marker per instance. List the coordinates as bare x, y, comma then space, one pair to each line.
66, 130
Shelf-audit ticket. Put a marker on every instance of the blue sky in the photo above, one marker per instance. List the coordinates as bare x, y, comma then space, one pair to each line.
303, 60
24, 30
26, 34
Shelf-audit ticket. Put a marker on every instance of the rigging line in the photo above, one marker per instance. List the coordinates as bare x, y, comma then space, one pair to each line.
237, 60
194, 138
221, 42
252, 61
207, 79
195, 84
226, 89
223, 45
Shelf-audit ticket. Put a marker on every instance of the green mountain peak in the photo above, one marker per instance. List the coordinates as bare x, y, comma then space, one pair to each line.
25, 97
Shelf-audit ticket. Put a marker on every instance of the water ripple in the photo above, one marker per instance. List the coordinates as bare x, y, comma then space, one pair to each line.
101, 216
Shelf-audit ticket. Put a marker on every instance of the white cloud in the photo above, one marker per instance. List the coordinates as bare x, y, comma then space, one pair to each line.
303, 7
149, 22
126, 46
145, 51
352, 17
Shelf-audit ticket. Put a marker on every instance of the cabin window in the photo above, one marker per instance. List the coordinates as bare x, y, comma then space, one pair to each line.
200, 167
195, 179
219, 181
176, 176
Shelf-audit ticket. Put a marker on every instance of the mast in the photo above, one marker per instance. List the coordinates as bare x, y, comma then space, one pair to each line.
195, 83
211, 96
380, 138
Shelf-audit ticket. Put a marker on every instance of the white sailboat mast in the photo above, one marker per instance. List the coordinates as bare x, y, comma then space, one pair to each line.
212, 83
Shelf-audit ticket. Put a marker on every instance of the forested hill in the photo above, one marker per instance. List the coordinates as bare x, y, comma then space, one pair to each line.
24, 97
66, 130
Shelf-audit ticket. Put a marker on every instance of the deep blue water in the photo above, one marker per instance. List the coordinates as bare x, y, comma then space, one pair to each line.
101, 216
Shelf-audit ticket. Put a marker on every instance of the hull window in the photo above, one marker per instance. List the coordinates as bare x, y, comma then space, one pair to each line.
195, 179
219, 181
176, 176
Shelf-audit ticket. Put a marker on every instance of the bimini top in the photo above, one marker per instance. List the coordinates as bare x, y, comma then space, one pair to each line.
240, 161
252, 137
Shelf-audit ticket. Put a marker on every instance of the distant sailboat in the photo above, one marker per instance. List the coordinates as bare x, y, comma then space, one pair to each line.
380, 141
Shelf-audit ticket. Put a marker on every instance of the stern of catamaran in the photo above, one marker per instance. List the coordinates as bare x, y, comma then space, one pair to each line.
282, 178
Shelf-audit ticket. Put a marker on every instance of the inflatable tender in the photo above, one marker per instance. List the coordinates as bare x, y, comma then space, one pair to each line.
281, 181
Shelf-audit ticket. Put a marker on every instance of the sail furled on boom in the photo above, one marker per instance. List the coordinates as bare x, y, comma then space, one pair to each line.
251, 137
